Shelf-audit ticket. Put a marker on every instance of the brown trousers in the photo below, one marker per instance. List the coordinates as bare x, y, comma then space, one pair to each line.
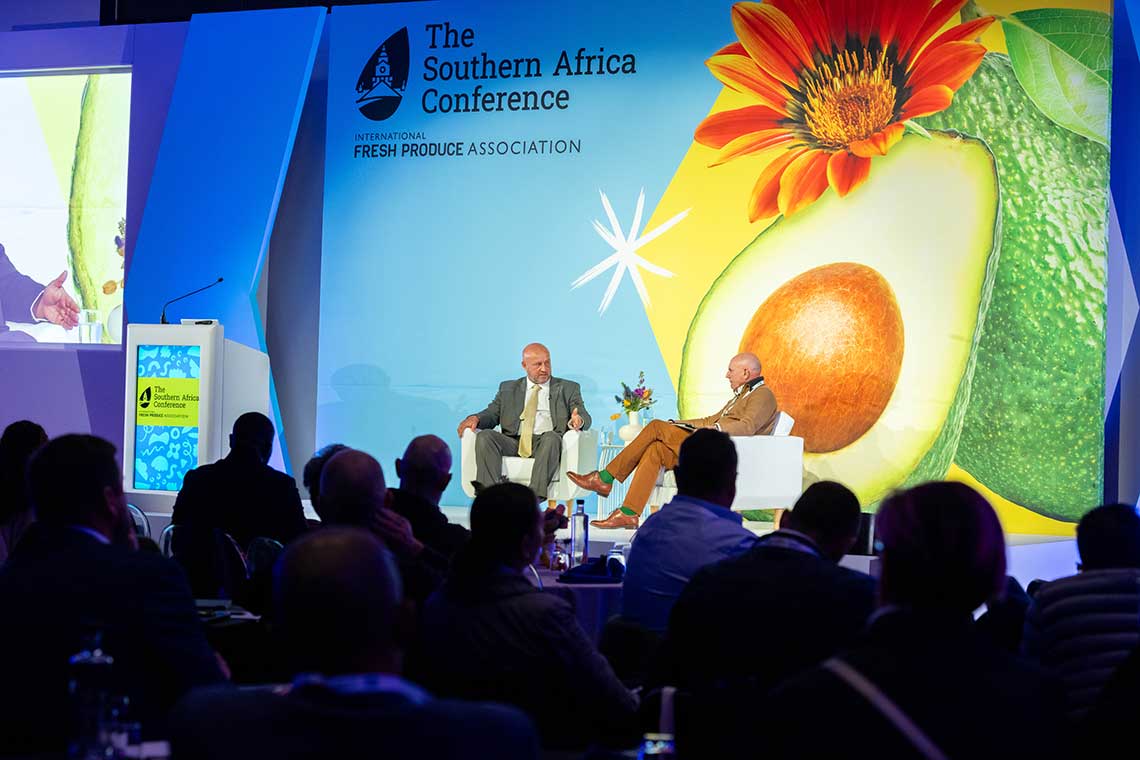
654, 448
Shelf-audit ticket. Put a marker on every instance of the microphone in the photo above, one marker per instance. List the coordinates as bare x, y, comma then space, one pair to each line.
163, 321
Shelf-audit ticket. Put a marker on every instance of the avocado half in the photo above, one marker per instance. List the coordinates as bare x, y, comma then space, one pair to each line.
1034, 430
913, 251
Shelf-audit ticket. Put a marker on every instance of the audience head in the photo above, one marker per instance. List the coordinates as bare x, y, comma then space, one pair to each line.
506, 531
942, 549
75, 480
1109, 537
352, 489
311, 475
19, 441
253, 432
742, 368
536, 362
425, 468
336, 597
829, 513
706, 467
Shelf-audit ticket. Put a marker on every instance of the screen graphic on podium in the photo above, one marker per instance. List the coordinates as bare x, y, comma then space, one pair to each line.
63, 148
166, 415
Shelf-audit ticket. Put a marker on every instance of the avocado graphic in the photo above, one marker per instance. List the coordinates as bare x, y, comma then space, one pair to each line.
866, 312
1034, 426
99, 194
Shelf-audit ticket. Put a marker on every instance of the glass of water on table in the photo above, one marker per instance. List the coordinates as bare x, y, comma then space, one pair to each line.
90, 326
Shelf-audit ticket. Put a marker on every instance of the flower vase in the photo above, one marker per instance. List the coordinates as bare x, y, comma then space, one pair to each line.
630, 430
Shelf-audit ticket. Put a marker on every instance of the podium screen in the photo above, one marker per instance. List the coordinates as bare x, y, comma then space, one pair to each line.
167, 417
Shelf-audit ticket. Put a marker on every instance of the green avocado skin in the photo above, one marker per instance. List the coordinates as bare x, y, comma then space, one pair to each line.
1034, 427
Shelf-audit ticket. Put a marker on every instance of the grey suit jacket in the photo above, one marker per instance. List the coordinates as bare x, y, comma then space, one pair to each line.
507, 406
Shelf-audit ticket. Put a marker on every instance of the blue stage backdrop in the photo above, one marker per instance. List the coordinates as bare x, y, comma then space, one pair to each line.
438, 269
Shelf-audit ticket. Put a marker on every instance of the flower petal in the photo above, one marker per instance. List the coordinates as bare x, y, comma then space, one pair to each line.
879, 143
803, 181
771, 39
950, 64
936, 18
764, 201
740, 73
732, 48
846, 171
967, 32
928, 100
719, 129
753, 142
809, 17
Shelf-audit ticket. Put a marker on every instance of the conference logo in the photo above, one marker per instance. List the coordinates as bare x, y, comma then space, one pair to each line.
144, 398
384, 78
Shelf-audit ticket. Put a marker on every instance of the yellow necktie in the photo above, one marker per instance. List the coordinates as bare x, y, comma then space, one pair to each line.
526, 433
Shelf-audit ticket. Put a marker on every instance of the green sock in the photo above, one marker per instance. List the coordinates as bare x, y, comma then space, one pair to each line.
606, 477
628, 511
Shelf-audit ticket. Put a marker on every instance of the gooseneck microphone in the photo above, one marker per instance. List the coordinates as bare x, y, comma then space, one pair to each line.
162, 320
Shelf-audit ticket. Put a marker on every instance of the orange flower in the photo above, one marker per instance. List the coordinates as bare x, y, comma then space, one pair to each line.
835, 83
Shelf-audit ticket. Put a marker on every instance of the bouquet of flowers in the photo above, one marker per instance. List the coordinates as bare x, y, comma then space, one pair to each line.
634, 399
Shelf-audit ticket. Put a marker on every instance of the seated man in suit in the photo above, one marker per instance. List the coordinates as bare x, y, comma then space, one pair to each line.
533, 413
750, 411
72, 576
337, 598
241, 494
22, 299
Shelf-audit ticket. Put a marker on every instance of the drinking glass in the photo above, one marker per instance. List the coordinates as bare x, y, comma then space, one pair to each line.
90, 327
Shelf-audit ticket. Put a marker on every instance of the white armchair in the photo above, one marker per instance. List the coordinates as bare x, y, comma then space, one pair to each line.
769, 471
579, 454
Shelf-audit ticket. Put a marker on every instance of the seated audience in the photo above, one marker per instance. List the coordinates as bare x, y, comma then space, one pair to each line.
311, 475
72, 576
337, 596
19, 442
1081, 628
424, 472
786, 596
696, 528
923, 683
354, 493
489, 634
241, 494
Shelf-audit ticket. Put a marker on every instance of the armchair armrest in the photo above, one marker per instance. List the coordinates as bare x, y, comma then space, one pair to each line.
467, 468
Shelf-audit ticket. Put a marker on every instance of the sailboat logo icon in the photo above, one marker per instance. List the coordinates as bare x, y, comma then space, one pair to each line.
382, 82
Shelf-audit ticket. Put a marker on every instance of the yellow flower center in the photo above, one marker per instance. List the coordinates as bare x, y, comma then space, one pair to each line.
849, 98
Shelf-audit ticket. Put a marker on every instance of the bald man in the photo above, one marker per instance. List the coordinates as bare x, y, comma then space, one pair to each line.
425, 472
533, 413
751, 411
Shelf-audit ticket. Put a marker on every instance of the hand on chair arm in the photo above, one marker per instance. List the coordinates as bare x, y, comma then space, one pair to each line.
575, 402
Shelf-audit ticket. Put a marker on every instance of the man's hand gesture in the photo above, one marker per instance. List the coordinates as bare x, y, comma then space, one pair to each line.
575, 420
56, 306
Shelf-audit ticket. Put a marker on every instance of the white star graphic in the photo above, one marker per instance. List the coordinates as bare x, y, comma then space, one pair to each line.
625, 249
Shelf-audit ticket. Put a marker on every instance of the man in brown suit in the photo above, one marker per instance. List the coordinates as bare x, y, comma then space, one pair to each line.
750, 411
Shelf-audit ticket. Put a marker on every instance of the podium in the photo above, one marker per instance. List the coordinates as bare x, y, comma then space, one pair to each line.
185, 386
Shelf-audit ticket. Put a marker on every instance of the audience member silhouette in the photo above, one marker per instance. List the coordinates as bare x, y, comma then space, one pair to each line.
787, 594
337, 597
19, 441
489, 634
923, 683
1082, 627
354, 493
73, 577
696, 528
241, 494
424, 472
311, 475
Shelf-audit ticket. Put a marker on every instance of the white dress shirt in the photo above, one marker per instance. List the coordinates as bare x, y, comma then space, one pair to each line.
543, 422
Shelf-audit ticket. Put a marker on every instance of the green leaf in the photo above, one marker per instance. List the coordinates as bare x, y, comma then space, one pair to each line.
1063, 59
914, 128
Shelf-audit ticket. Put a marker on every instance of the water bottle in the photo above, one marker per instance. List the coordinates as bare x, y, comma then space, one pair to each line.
89, 686
579, 534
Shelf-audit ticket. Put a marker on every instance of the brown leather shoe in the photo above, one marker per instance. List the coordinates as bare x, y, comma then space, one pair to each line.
617, 519
591, 481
